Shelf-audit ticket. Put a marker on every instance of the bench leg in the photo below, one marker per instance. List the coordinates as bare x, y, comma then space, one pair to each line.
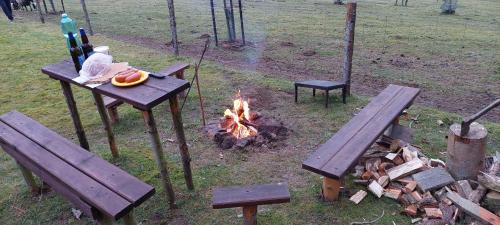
344, 95
331, 189
105, 220
129, 219
30, 180
250, 215
314, 92
327, 98
159, 156
296, 93
113, 114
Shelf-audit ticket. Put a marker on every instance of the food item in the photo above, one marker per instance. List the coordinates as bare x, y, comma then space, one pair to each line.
121, 77
133, 78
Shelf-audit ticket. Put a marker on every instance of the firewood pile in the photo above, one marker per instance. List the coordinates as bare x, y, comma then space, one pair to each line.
424, 188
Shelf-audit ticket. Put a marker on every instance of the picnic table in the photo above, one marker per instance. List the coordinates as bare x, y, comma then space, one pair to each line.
143, 97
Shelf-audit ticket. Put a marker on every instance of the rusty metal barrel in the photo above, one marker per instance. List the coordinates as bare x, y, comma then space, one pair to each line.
466, 154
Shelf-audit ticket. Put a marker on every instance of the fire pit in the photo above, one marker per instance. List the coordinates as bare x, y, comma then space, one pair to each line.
241, 127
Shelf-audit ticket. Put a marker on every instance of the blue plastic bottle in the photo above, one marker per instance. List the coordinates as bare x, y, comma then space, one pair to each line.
69, 26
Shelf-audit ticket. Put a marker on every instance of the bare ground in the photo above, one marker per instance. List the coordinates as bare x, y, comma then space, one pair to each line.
466, 101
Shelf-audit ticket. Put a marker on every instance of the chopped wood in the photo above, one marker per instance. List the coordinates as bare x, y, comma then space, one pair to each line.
398, 160
477, 194
391, 156
433, 213
492, 201
383, 181
410, 186
437, 162
448, 212
447, 201
416, 196
359, 170
375, 175
367, 175
361, 182
411, 210
358, 197
463, 187
433, 179
490, 181
405, 180
376, 189
409, 155
473, 209
405, 169
382, 169
373, 164
407, 199
392, 193
415, 220
427, 200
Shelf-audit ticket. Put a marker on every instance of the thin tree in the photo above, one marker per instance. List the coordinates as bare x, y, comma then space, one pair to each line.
173, 26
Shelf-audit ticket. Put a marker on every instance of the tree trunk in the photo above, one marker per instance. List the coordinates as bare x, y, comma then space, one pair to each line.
173, 26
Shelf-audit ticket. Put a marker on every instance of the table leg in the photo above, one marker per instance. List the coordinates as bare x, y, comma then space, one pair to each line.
158, 152
105, 121
180, 75
314, 92
181, 138
327, 98
70, 101
296, 93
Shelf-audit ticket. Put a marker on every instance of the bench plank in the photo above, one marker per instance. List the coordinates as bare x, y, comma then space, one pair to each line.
338, 154
89, 190
239, 196
117, 180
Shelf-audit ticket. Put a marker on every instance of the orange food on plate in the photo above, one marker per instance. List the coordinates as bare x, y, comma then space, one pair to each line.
133, 78
121, 78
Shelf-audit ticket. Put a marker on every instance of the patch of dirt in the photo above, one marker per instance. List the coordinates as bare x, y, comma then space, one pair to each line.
467, 102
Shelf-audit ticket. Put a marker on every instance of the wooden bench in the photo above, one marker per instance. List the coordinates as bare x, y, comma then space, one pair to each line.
334, 158
99, 189
112, 104
321, 85
249, 197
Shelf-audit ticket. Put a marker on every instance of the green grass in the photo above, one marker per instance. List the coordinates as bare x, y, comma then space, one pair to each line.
26, 46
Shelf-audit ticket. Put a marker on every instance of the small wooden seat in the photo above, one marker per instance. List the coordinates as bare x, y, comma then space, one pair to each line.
112, 104
99, 189
334, 158
249, 197
321, 85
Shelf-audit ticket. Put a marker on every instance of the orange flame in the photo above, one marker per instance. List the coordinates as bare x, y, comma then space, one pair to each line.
239, 119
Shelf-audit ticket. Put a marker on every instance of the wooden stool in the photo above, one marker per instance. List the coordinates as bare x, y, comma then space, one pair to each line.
322, 85
249, 197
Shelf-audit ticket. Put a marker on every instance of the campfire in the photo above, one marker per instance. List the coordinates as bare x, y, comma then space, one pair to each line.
241, 127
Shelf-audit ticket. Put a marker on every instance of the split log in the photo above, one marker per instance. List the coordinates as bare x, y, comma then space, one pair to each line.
383, 181
433, 179
472, 209
411, 210
391, 156
416, 196
492, 201
358, 197
490, 181
398, 160
464, 189
433, 213
392, 193
376, 189
405, 169
409, 155
410, 187
382, 169
367, 175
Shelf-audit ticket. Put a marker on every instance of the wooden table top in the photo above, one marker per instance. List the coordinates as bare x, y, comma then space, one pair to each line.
144, 96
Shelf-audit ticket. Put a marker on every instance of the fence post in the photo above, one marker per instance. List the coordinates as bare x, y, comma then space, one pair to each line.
349, 44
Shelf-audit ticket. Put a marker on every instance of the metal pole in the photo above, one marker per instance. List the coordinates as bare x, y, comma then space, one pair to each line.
84, 8
241, 22
349, 44
173, 26
214, 23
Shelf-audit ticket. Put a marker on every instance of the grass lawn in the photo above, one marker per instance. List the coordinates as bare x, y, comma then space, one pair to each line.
454, 58
26, 46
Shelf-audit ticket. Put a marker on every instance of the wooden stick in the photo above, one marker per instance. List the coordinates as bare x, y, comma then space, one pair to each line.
105, 122
28, 177
250, 215
173, 26
53, 6
181, 138
214, 24
40, 11
70, 101
159, 156
62, 5
331, 189
45, 6
87, 18
349, 44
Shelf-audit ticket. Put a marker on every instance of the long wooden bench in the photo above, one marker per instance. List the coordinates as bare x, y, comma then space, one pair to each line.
112, 104
99, 189
249, 197
334, 158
